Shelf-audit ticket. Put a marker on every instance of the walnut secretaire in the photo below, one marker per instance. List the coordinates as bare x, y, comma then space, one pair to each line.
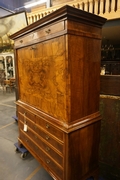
58, 85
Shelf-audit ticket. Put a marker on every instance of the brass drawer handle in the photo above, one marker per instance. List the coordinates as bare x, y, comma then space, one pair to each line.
47, 161
47, 149
21, 41
33, 48
47, 126
48, 31
47, 137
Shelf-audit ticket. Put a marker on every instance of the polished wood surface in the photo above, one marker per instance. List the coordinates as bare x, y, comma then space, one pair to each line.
58, 67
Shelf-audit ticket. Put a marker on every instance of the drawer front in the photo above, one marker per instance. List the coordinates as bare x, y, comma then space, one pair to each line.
51, 164
41, 34
49, 139
35, 137
41, 155
27, 114
28, 122
50, 128
58, 27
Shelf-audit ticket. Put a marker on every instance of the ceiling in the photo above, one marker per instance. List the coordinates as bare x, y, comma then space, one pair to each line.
4, 12
13, 4
111, 32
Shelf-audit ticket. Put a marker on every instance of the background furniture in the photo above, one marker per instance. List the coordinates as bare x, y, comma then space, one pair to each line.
9, 85
109, 156
2, 77
111, 67
58, 82
7, 64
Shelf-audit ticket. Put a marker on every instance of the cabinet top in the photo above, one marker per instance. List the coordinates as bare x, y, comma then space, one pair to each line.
66, 13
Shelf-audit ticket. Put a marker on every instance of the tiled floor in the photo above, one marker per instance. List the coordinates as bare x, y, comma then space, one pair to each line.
12, 167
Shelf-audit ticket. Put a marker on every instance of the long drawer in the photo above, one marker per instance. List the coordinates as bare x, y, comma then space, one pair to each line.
41, 34
41, 155
27, 114
29, 122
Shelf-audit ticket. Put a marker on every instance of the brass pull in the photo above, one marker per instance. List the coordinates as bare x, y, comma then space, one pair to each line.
47, 137
47, 126
33, 48
21, 41
47, 149
48, 31
47, 161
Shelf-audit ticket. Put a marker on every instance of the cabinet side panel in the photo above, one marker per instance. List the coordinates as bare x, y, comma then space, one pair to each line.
84, 60
83, 151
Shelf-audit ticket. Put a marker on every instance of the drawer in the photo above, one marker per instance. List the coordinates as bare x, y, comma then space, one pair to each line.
35, 137
50, 128
41, 34
26, 114
49, 139
51, 164
58, 171
58, 27
28, 122
28, 143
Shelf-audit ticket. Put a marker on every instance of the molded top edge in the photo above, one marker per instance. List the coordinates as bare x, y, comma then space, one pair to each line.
65, 12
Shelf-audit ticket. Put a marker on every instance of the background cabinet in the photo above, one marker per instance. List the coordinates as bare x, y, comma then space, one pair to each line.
58, 82
7, 64
111, 67
110, 135
7, 70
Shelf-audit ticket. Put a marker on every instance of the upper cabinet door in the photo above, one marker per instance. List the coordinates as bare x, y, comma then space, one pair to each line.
42, 72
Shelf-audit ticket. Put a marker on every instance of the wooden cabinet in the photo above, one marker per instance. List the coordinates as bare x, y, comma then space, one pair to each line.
58, 82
